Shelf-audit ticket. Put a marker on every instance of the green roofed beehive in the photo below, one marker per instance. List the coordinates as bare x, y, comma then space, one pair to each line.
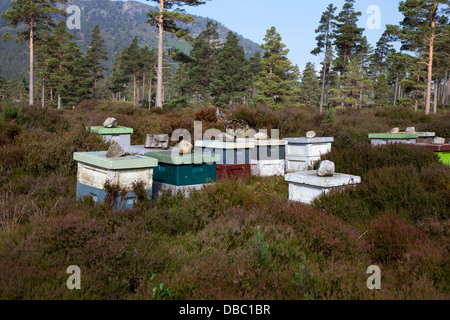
379, 139
95, 169
121, 135
184, 170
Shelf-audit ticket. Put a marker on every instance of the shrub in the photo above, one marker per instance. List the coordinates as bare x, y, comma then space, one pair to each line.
11, 160
116, 196
260, 250
331, 115
8, 132
259, 117
400, 189
361, 158
390, 238
49, 120
16, 210
47, 153
439, 125
12, 112
402, 116
207, 114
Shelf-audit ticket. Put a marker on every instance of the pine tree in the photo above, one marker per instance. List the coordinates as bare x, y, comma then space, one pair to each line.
44, 52
397, 65
442, 58
149, 59
383, 49
352, 82
94, 57
381, 87
80, 79
363, 53
118, 78
347, 35
255, 69
3, 85
36, 15
326, 31
65, 55
132, 64
310, 85
423, 24
204, 54
181, 87
165, 21
232, 77
414, 82
277, 77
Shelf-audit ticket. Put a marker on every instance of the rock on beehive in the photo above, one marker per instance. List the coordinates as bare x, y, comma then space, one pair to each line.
438, 140
157, 141
185, 147
410, 130
110, 123
326, 169
394, 130
115, 150
310, 134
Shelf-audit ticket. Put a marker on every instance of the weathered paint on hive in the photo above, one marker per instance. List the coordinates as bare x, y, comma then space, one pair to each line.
96, 177
100, 160
267, 168
306, 186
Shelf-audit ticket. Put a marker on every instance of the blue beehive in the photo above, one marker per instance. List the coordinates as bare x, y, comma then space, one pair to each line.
231, 153
95, 169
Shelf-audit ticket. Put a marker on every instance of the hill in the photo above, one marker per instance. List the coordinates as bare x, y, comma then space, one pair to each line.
119, 21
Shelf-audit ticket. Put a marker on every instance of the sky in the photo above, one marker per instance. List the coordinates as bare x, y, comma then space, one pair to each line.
295, 20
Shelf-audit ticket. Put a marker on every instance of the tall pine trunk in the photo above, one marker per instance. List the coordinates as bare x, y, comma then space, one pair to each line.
444, 88
396, 91
430, 59
143, 90
324, 75
43, 94
134, 89
31, 98
435, 96
150, 92
447, 100
159, 85
95, 86
138, 95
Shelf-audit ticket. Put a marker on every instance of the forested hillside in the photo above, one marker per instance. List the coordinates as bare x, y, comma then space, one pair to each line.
119, 23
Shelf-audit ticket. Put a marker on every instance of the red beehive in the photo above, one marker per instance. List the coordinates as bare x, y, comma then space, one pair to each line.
233, 171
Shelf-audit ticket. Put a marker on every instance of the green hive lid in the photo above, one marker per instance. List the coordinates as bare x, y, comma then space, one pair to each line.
177, 159
99, 159
116, 130
401, 135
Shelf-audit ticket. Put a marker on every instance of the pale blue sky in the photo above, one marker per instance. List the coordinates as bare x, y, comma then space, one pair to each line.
295, 20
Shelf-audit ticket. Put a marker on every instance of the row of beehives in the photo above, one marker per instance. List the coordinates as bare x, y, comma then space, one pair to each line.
213, 160
426, 140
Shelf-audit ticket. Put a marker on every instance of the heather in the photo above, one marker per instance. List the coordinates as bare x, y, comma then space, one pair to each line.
237, 239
